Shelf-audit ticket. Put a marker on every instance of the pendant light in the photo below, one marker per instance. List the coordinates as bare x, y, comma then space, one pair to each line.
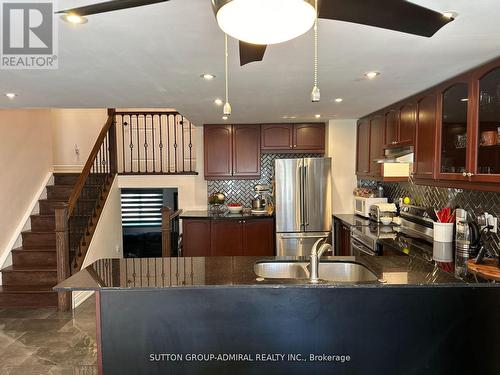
227, 106
315, 93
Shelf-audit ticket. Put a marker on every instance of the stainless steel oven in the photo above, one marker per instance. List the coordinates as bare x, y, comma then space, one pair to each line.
362, 243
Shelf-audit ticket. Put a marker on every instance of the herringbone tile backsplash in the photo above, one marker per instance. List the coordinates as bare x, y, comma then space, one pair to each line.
475, 202
241, 191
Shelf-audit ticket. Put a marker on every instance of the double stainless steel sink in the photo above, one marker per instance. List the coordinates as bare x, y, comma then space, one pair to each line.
333, 271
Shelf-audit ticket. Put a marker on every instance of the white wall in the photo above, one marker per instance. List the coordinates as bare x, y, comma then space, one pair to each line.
107, 241
75, 128
342, 148
26, 156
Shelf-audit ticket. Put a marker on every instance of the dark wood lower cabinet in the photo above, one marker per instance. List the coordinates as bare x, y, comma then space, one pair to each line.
227, 237
221, 237
342, 238
258, 237
196, 237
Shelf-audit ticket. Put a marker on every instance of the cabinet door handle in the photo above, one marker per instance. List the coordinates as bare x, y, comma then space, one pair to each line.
464, 174
470, 174
294, 146
291, 146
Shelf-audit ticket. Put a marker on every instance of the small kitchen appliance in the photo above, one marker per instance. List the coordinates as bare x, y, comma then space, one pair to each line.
262, 199
362, 205
467, 241
379, 210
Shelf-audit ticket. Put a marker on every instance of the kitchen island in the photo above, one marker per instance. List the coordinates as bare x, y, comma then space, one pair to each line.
215, 315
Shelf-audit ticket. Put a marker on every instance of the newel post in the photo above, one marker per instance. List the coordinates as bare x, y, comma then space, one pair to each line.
165, 232
62, 252
113, 151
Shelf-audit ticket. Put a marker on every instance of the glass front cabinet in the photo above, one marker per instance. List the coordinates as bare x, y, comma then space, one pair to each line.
469, 127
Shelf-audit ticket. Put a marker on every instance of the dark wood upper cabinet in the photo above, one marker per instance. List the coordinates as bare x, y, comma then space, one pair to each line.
452, 138
246, 150
407, 124
309, 137
485, 139
196, 238
258, 237
293, 138
391, 128
376, 144
425, 155
232, 151
218, 150
277, 137
363, 148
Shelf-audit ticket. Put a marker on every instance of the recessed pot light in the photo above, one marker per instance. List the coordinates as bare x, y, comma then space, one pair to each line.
450, 14
207, 76
218, 101
372, 75
75, 19
10, 95
317, 116
339, 100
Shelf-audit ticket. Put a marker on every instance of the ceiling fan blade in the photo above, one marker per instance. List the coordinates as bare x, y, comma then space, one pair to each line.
398, 15
251, 52
108, 6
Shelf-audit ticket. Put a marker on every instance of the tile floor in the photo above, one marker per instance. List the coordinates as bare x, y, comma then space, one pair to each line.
45, 341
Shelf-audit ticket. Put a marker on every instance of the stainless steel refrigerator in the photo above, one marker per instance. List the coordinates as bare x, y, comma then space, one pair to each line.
303, 203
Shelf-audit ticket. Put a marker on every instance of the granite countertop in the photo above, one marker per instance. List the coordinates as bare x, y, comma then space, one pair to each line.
353, 220
205, 214
210, 272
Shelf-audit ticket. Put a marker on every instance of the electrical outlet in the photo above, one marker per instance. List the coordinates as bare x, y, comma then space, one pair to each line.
488, 219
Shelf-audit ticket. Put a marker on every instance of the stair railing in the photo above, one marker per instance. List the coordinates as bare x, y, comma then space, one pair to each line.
76, 219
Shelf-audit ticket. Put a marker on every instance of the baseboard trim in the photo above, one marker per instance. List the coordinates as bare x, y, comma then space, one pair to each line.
68, 168
20, 226
79, 297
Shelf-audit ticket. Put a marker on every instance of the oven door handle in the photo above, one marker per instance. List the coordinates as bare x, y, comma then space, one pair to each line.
362, 248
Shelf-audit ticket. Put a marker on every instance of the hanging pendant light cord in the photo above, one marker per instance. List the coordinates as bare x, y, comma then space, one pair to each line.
226, 67
316, 45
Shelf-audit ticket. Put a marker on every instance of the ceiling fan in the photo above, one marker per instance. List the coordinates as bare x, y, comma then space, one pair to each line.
257, 23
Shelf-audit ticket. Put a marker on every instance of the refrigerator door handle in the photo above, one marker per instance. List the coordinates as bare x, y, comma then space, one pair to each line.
301, 196
305, 195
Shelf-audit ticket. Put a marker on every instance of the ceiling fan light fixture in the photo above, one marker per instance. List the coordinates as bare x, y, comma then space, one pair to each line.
264, 21
74, 19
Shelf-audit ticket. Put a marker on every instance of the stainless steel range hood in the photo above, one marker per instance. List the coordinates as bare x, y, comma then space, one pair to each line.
397, 155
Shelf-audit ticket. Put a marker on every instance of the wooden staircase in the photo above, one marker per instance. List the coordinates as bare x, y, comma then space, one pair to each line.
29, 281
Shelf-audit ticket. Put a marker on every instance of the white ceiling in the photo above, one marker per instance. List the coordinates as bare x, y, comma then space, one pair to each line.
152, 57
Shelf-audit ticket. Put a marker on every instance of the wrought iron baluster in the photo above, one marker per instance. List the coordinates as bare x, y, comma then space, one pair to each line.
182, 143
190, 148
138, 143
175, 143
161, 143
168, 143
153, 140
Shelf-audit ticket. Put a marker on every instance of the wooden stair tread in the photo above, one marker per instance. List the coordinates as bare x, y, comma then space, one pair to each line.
38, 231
26, 289
34, 250
28, 269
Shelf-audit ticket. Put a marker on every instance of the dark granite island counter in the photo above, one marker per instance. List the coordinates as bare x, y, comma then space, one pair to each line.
215, 316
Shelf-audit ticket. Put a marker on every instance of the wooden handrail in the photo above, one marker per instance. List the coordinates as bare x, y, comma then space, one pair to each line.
90, 162
137, 113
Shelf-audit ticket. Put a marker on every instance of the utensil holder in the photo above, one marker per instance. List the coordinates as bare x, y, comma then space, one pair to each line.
443, 232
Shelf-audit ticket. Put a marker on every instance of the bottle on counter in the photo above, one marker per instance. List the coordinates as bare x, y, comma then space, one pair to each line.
380, 191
